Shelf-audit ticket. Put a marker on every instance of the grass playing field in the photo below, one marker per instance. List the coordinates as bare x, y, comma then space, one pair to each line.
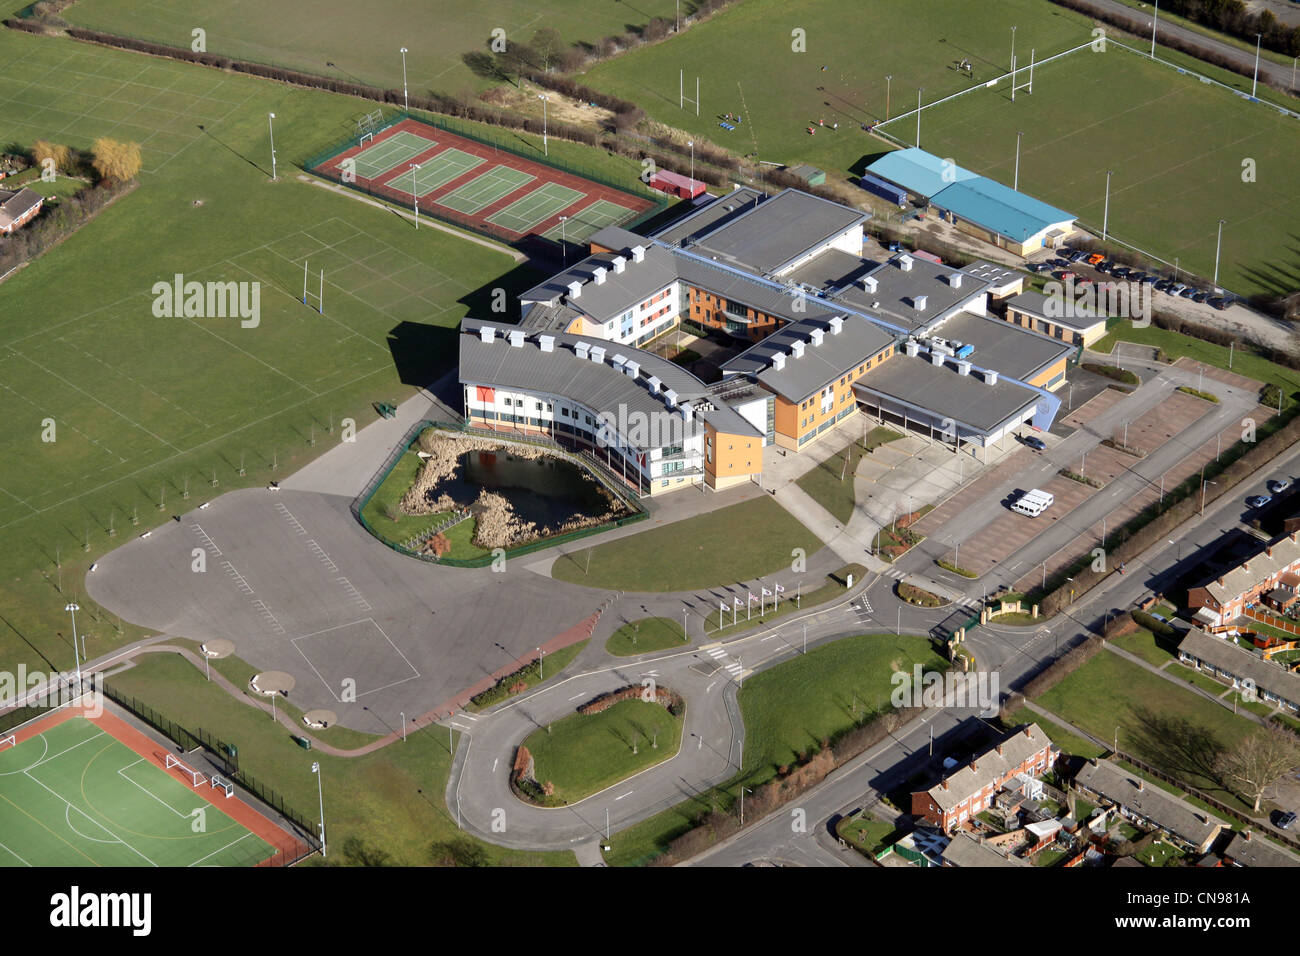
746, 66
74, 795
1176, 147
338, 38
147, 408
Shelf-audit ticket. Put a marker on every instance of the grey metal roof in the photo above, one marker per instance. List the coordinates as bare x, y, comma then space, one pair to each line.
721, 210
618, 292
543, 317
598, 385
996, 275
1035, 304
896, 289
1121, 787
1258, 851
765, 295
990, 767
942, 392
616, 237
1003, 347
820, 365
776, 231
831, 270
1232, 659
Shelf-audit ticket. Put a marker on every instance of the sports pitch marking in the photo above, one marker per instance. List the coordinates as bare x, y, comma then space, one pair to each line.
389, 153
539, 205
436, 172
483, 191
581, 225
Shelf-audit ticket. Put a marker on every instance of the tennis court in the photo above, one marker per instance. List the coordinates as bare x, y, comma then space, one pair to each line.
74, 794
484, 190
399, 148
436, 172
540, 204
582, 225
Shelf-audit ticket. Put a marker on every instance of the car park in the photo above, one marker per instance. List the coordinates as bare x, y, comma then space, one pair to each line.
1257, 501
1279, 485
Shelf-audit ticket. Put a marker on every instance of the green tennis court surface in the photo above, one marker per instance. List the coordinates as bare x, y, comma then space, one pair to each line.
388, 153
76, 796
435, 172
540, 204
583, 224
484, 190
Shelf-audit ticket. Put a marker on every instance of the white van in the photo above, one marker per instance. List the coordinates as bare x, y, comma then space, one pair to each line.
1033, 503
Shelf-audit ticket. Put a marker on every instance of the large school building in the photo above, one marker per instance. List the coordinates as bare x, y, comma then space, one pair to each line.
826, 331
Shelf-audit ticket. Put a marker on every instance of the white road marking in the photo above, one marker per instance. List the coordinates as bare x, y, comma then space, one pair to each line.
628, 794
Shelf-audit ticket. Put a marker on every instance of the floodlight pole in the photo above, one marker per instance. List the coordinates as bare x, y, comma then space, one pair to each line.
691, 144
320, 792
1105, 215
1218, 244
403, 726
1254, 84
919, 90
72, 608
564, 250
1015, 183
270, 124
890, 76
1154, 19
415, 196
406, 103
545, 148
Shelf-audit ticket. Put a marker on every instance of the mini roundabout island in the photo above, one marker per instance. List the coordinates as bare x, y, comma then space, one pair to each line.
603, 742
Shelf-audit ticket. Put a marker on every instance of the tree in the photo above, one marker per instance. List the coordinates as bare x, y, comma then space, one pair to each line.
549, 46
458, 851
1259, 761
439, 544
58, 154
116, 162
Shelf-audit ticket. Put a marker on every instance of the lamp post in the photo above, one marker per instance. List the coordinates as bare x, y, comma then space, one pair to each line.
1015, 182
270, 124
320, 792
691, 144
1105, 215
540, 657
889, 77
406, 102
403, 726
1179, 545
545, 99
919, 90
743, 791
72, 607
564, 249
414, 195
1154, 19
1218, 244
1254, 84
1205, 484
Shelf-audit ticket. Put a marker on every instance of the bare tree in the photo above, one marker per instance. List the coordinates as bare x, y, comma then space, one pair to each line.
1258, 761
549, 46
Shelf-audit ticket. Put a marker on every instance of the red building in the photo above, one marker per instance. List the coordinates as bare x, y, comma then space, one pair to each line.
970, 789
18, 208
683, 187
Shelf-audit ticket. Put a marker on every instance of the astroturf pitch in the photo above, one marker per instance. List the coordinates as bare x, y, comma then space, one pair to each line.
75, 796
484, 190
538, 206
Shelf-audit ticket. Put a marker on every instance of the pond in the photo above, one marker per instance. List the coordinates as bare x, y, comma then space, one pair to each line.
545, 490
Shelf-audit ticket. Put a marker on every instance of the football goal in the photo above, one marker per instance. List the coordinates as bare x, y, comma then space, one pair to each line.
10, 741
196, 777
218, 784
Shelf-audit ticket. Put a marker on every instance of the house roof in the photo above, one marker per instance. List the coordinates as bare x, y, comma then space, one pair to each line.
618, 292
964, 850
14, 204
943, 393
1000, 208
990, 767
1233, 659
1166, 811
1036, 304
1285, 552
1257, 851
920, 173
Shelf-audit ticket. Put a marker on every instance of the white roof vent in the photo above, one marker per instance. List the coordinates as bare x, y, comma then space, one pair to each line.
936, 357
837, 325
670, 397
963, 367
619, 264
905, 263
575, 289
911, 347
796, 349
990, 377
598, 274
597, 353
687, 413
816, 335
618, 361
918, 303
654, 383
517, 339
870, 283
638, 253
778, 361
487, 333
954, 280
581, 349
631, 368
546, 343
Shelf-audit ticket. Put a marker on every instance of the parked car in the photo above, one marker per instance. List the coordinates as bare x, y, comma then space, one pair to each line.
1164, 285
1040, 267
1257, 501
1037, 444
1284, 822
1176, 289
1279, 485
1188, 292
1076, 255
1096, 258
1220, 303
1201, 297
1148, 279
1063, 263
1121, 272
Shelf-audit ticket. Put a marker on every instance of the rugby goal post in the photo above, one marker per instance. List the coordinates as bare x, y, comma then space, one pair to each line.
175, 763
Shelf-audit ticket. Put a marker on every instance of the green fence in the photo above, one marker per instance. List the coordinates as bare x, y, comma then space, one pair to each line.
482, 561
